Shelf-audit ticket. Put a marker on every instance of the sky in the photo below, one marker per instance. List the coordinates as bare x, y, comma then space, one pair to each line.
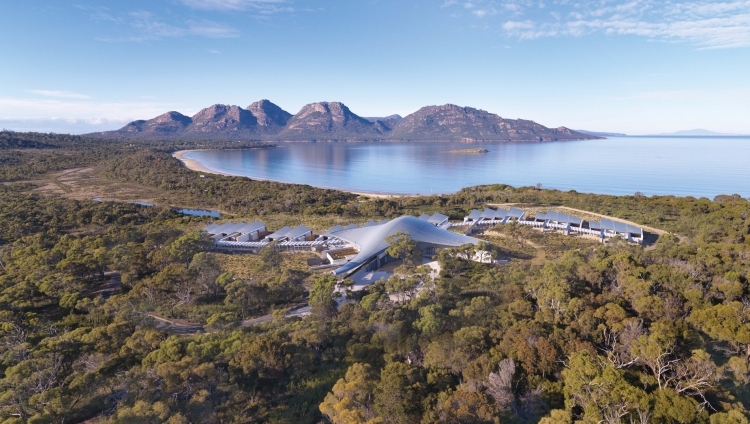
636, 67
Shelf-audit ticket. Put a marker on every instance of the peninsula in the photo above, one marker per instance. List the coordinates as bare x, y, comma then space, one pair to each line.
469, 151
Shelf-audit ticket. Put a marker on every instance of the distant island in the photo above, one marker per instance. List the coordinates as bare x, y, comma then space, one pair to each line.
695, 132
480, 150
333, 121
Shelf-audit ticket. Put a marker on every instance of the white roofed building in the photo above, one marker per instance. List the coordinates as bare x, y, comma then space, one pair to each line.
236, 232
371, 243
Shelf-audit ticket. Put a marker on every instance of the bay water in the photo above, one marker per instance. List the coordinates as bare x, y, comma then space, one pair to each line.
681, 166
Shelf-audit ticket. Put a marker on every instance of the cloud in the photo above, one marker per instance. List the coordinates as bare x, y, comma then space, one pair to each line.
706, 24
481, 13
148, 27
261, 6
61, 125
669, 95
13, 108
59, 94
211, 29
98, 13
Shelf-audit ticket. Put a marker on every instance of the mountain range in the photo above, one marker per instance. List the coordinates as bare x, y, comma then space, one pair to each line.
333, 121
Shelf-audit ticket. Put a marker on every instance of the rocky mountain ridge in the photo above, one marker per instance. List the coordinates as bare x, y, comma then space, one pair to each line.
333, 121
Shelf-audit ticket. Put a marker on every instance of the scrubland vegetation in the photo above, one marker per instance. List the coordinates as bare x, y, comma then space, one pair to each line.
569, 331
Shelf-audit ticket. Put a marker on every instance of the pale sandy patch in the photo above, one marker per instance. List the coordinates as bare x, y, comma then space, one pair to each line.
194, 165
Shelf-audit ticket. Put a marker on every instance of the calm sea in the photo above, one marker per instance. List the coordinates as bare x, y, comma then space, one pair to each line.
682, 166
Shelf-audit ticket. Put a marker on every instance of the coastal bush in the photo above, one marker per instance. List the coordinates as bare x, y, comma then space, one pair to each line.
584, 333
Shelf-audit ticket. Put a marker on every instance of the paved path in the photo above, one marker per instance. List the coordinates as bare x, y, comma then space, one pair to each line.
112, 286
185, 328
176, 327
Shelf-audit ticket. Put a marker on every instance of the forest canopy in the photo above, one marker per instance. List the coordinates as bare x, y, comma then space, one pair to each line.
92, 295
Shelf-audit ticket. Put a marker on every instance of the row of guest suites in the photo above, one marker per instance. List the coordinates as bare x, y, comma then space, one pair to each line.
603, 228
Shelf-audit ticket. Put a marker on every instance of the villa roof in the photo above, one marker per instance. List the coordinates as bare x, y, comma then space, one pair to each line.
560, 217
297, 232
333, 230
474, 214
437, 218
616, 226
225, 228
251, 227
208, 228
488, 213
281, 232
515, 212
501, 214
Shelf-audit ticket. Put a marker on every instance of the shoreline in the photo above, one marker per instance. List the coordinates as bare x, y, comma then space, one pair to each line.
194, 165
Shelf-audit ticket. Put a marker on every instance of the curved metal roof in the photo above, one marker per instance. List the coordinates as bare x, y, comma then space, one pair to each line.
371, 240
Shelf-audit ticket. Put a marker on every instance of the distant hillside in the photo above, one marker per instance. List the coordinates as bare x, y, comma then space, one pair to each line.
268, 115
330, 121
601, 134
333, 121
451, 122
695, 132
393, 118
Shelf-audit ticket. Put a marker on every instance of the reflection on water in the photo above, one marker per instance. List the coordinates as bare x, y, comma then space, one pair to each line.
622, 165
199, 212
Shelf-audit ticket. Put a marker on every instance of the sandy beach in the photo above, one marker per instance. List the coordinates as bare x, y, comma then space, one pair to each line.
196, 166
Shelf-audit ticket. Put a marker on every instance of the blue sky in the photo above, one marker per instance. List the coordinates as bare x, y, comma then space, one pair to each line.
637, 66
